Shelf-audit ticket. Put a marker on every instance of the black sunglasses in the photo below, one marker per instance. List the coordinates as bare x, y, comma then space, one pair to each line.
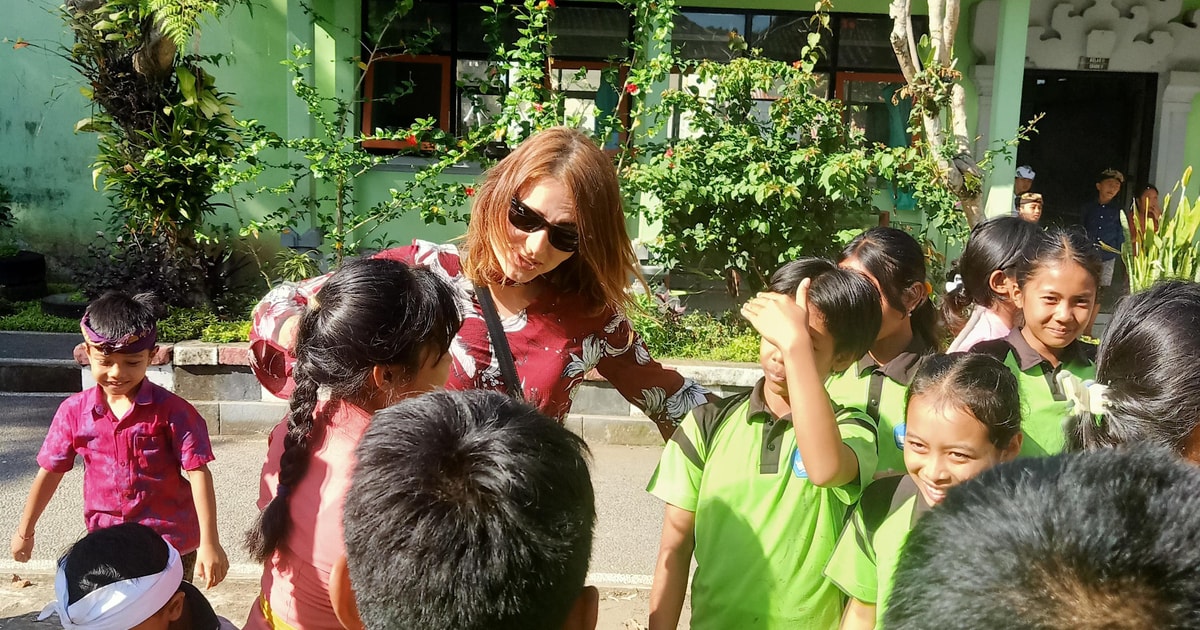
562, 237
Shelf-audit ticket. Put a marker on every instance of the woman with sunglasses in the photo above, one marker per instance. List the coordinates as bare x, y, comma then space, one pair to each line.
547, 242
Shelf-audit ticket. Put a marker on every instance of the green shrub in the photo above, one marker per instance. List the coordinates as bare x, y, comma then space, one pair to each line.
182, 324
226, 332
699, 335
28, 316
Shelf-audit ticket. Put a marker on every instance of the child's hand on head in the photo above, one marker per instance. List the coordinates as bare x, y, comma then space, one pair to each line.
781, 320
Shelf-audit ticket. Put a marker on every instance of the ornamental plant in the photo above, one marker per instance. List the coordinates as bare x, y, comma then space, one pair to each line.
1170, 252
767, 172
165, 132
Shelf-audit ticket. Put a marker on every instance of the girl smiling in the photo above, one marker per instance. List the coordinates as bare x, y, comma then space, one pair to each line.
963, 417
1056, 292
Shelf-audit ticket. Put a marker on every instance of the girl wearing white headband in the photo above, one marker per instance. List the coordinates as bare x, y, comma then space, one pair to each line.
126, 577
1147, 385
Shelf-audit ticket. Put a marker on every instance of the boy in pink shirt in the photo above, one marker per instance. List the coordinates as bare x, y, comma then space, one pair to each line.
134, 437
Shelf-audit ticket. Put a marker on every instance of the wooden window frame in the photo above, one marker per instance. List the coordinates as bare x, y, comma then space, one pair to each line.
444, 111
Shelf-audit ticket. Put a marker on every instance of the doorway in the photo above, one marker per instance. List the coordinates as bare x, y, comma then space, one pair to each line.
1093, 121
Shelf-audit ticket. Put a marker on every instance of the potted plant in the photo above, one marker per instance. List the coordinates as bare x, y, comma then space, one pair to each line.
22, 273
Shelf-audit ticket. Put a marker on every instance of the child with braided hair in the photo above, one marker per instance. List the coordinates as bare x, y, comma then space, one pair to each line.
380, 333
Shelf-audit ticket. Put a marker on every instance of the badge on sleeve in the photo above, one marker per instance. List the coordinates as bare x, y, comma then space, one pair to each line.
798, 465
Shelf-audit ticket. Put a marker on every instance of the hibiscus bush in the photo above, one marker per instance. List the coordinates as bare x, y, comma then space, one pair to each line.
766, 171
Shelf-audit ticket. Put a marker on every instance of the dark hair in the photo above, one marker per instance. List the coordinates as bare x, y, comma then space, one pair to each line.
1055, 246
117, 314
1104, 539
897, 262
978, 383
468, 510
847, 300
370, 312
1141, 190
110, 555
995, 245
1148, 361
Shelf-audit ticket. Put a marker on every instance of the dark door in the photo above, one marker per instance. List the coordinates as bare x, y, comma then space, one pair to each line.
1093, 121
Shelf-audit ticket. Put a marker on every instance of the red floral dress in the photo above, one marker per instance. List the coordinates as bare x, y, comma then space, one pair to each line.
554, 343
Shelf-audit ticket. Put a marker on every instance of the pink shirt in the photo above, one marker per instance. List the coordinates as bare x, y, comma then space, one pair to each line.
295, 578
984, 325
555, 341
132, 465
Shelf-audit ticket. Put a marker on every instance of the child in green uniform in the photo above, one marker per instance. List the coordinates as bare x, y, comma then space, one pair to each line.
1147, 375
756, 494
963, 418
1056, 292
895, 264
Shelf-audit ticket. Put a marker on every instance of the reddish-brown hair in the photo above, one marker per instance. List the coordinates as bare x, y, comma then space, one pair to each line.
601, 269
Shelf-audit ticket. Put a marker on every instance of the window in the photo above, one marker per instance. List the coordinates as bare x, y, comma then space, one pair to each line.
417, 87
436, 62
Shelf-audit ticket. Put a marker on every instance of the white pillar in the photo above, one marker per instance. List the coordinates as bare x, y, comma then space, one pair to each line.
1005, 115
1181, 90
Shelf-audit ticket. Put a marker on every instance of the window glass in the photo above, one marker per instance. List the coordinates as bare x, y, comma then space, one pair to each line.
873, 109
471, 29
784, 36
591, 95
864, 42
403, 90
706, 35
481, 89
590, 33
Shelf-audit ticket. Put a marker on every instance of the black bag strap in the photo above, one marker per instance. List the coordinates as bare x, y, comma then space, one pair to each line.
508, 369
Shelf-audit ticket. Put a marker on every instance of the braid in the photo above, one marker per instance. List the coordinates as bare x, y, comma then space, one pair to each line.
274, 521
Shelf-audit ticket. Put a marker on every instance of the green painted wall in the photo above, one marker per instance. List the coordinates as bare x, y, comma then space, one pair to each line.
45, 165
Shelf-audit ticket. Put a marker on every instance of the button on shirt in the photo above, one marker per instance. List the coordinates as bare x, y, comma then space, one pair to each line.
1103, 223
132, 466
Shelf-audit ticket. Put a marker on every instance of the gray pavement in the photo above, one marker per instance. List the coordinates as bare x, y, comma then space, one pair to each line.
629, 519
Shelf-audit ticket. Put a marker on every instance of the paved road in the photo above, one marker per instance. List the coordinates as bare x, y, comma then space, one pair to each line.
627, 532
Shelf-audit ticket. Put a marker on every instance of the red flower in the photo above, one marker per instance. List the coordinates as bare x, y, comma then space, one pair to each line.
551, 3
796, 65
411, 140
631, 88
670, 152
470, 191
539, 107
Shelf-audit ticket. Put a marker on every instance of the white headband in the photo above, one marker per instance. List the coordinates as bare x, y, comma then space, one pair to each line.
117, 606
1086, 396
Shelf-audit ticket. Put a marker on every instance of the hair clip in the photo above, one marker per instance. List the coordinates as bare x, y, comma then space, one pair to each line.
281, 491
1086, 396
954, 284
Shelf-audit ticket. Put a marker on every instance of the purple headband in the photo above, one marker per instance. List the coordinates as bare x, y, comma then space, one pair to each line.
133, 342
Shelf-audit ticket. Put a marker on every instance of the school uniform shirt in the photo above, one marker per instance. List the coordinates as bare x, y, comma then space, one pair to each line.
879, 390
295, 579
763, 533
864, 562
1045, 408
555, 342
132, 465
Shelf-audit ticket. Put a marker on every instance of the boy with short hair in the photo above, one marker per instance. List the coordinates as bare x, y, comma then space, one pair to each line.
1102, 221
1089, 541
468, 510
134, 437
756, 493
1029, 207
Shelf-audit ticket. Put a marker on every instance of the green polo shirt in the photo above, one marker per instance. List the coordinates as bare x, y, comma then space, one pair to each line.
879, 390
864, 562
763, 533
1044, 406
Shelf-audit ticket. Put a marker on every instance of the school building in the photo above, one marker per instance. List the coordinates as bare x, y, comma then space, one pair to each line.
1117, 80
